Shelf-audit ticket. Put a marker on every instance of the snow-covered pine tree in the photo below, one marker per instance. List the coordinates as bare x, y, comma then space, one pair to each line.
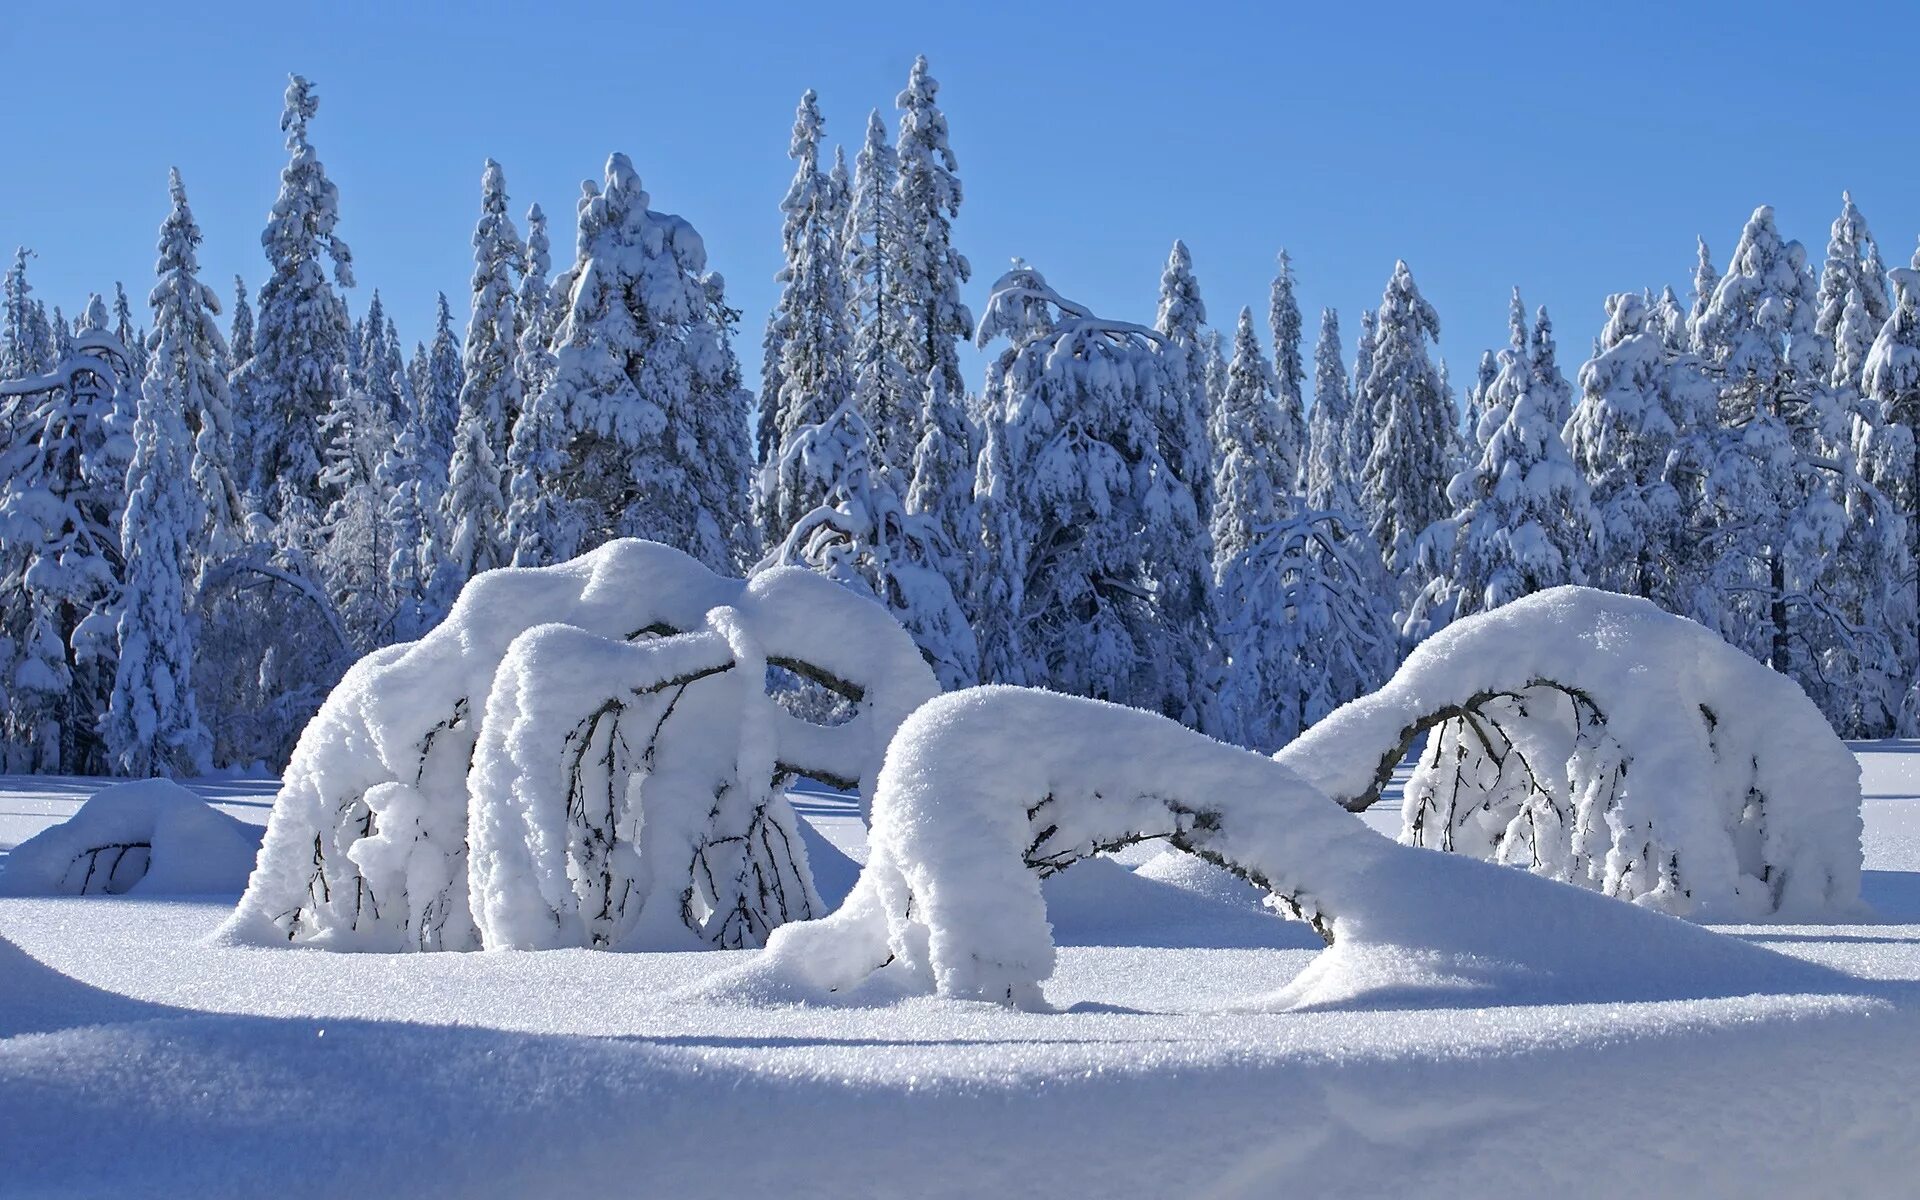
1360, 426
927, 271
152, 722
530, 449
353, 540
474, 507
444, 377
1523, 519
534, 311
298, 371
187, 350
1641, 434
127, 333
26, 347
1403, 486
1556, 394
645, 411
806, 376
1283, 319
1189, 418
1305, 626
1779, 522
63, 481
1329, 487
1891, 384
1706, 278
942, 485
1253, 486
1852, 267
1084, 523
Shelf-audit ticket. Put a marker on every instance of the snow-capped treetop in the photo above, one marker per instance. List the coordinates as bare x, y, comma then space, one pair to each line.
1181, 312
1852, 265
870, 242
439, 401
1892, 372
1180, 317
240, 343
929, 270
1852, 339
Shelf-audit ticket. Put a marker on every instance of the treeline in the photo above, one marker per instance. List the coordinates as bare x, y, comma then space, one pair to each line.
201, 527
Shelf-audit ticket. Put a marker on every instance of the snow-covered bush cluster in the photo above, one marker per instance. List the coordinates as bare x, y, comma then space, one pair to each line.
200, 531
580, 755
148, 837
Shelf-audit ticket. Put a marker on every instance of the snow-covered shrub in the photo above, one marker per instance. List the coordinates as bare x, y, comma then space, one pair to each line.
1595, 739
368, 844
148, 837
986, 792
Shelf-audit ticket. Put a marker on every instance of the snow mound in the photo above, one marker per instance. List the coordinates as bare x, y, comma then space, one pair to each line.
986, 792
1598, 740
149, 837
522, 726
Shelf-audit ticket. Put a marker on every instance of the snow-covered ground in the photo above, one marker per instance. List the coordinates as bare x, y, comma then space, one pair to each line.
145, 1061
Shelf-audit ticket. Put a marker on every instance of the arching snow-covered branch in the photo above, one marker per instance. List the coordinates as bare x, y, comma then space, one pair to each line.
368, 844
1598, 740
986, 791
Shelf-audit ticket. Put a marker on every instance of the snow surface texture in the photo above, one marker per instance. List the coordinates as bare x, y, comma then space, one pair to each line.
368, 844
149, 837
172, 1066
1600, 741
985, 792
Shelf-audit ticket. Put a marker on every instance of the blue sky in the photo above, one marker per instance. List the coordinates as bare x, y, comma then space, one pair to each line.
1570, 149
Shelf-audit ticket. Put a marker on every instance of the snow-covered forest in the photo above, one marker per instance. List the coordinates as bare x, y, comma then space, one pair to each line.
212, 504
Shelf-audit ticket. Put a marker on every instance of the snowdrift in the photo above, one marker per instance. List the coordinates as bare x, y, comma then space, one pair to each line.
487, 785
986, 792
149, 837
1595, 739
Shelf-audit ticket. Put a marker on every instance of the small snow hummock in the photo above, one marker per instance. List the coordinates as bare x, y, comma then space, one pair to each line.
986, 792
149, 837
1595, 739
368, 845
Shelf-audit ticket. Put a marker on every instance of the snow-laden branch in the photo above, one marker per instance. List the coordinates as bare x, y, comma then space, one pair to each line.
1598, 740
986, 791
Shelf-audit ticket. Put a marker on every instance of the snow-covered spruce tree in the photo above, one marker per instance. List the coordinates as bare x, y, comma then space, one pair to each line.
63, 480
862, 537
1214, 350
1403, 486
239, 350
805, 379
297, 373
1189, 417
1641, 434
927, 271
1328, 485
533, 310
645, 412
383, 371
187, 349
1252, 486
871, 256
152, 722
1084, 522
1891, 385
443, 379
1479, 396
1523, 520
1778, 522
941, 488
353, 545
1360, 424
1852, 267
128, 334
1556, 394
1283, 319
1305, 625
474, 507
